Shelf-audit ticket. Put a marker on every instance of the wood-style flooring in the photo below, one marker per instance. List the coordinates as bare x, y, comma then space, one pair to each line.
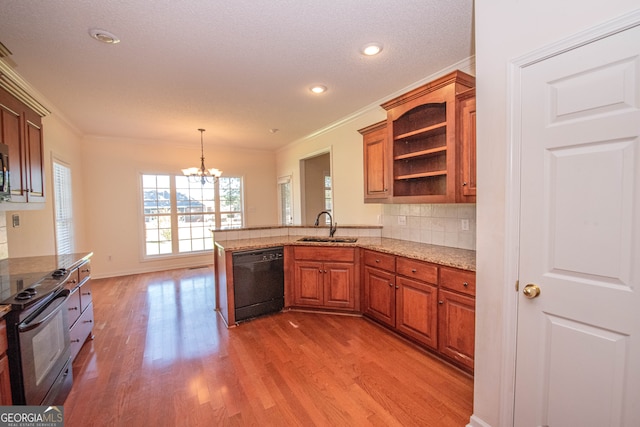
162, 357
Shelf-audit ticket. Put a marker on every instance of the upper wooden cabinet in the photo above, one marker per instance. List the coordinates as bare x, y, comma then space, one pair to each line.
467, 133
376, 179
423, 145
374, 142
21, 130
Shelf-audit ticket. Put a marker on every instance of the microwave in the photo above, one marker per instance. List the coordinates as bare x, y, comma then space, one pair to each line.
5, 190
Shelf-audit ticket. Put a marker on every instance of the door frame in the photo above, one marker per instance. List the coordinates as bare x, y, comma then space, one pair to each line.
512, 193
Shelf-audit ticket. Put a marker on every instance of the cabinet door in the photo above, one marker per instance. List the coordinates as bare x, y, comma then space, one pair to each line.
11, 136
339, 281
417, 310
457, 327
36, 158
374, 141
73, 307
5, 382
467, 132
380, 295
85, 295
307, 287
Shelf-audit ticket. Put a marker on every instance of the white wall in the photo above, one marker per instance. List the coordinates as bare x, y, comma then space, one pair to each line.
36, 233
505, 30
347, 173
112, 195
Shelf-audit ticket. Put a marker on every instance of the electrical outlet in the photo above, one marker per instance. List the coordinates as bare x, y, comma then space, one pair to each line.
464, 225
402, 220
15, 220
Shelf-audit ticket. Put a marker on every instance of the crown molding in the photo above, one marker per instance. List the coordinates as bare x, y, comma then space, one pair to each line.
18, 87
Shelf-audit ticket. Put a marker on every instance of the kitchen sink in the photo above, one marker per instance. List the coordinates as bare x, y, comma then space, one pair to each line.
329, 239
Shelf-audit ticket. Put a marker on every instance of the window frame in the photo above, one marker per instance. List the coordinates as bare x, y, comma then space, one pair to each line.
67, 201
175, 213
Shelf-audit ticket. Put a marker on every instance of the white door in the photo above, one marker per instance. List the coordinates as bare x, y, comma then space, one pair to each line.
578, 342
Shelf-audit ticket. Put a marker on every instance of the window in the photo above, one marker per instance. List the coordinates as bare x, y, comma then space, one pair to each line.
63, 208
286, 203
178, 214
328, 201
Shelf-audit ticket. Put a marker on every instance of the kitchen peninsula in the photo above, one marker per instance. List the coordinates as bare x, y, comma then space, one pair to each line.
423, 292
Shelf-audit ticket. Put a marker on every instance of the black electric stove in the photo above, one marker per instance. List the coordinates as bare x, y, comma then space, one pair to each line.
26, 290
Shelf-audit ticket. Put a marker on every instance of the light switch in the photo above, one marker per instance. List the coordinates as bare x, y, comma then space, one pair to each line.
15, 220
464, 225
402, 220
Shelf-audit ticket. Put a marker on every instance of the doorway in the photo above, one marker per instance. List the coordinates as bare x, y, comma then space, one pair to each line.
316, 187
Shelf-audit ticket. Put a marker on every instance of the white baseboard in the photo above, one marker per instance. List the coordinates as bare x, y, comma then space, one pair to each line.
474, 421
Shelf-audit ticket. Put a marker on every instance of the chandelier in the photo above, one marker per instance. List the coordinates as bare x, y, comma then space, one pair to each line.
202, 174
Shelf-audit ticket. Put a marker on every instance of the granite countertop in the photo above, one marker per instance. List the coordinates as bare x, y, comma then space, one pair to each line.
4, 309
452, 257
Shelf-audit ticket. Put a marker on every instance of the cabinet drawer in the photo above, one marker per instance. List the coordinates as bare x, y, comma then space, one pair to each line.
84, 272
85, 295
81, 330
73, 307
324, 253
3, 336
379, 260
458, 280
418, 270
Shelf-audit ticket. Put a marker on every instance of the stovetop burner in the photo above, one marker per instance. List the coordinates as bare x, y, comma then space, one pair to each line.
26, 294
28, 289
59, 272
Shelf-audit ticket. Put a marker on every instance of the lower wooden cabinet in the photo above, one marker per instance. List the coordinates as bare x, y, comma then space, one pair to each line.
457, 327
430, 304
417, 310
5, 379
402, 294
325, 278
379, 295
457, 315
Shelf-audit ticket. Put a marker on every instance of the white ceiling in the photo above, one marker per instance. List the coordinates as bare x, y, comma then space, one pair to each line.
237, 68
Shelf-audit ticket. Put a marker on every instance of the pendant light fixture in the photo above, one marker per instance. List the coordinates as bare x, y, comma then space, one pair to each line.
202, 174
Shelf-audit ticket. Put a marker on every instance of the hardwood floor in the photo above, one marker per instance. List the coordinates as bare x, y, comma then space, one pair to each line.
162, 357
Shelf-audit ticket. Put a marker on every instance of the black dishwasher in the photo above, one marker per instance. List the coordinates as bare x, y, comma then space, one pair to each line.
258, 282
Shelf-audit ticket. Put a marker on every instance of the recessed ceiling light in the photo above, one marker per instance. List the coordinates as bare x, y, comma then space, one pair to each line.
371, 49
318, 89
104, 36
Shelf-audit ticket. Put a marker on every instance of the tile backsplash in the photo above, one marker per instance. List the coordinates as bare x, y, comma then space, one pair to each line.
452, 225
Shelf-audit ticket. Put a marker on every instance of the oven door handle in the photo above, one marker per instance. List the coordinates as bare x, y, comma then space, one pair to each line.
27, 325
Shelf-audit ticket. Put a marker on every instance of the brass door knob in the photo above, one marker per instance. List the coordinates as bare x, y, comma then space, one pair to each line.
531, 291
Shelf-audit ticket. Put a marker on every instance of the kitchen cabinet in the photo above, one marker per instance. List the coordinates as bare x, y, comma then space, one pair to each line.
80, 307
324, 277
379, 293
21, 130
401, 293
432, 305
5, 380
467, 132
423, 141
374, 143
456, 301
417, 300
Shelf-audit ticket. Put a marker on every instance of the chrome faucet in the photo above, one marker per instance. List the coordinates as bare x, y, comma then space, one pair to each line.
332, 227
